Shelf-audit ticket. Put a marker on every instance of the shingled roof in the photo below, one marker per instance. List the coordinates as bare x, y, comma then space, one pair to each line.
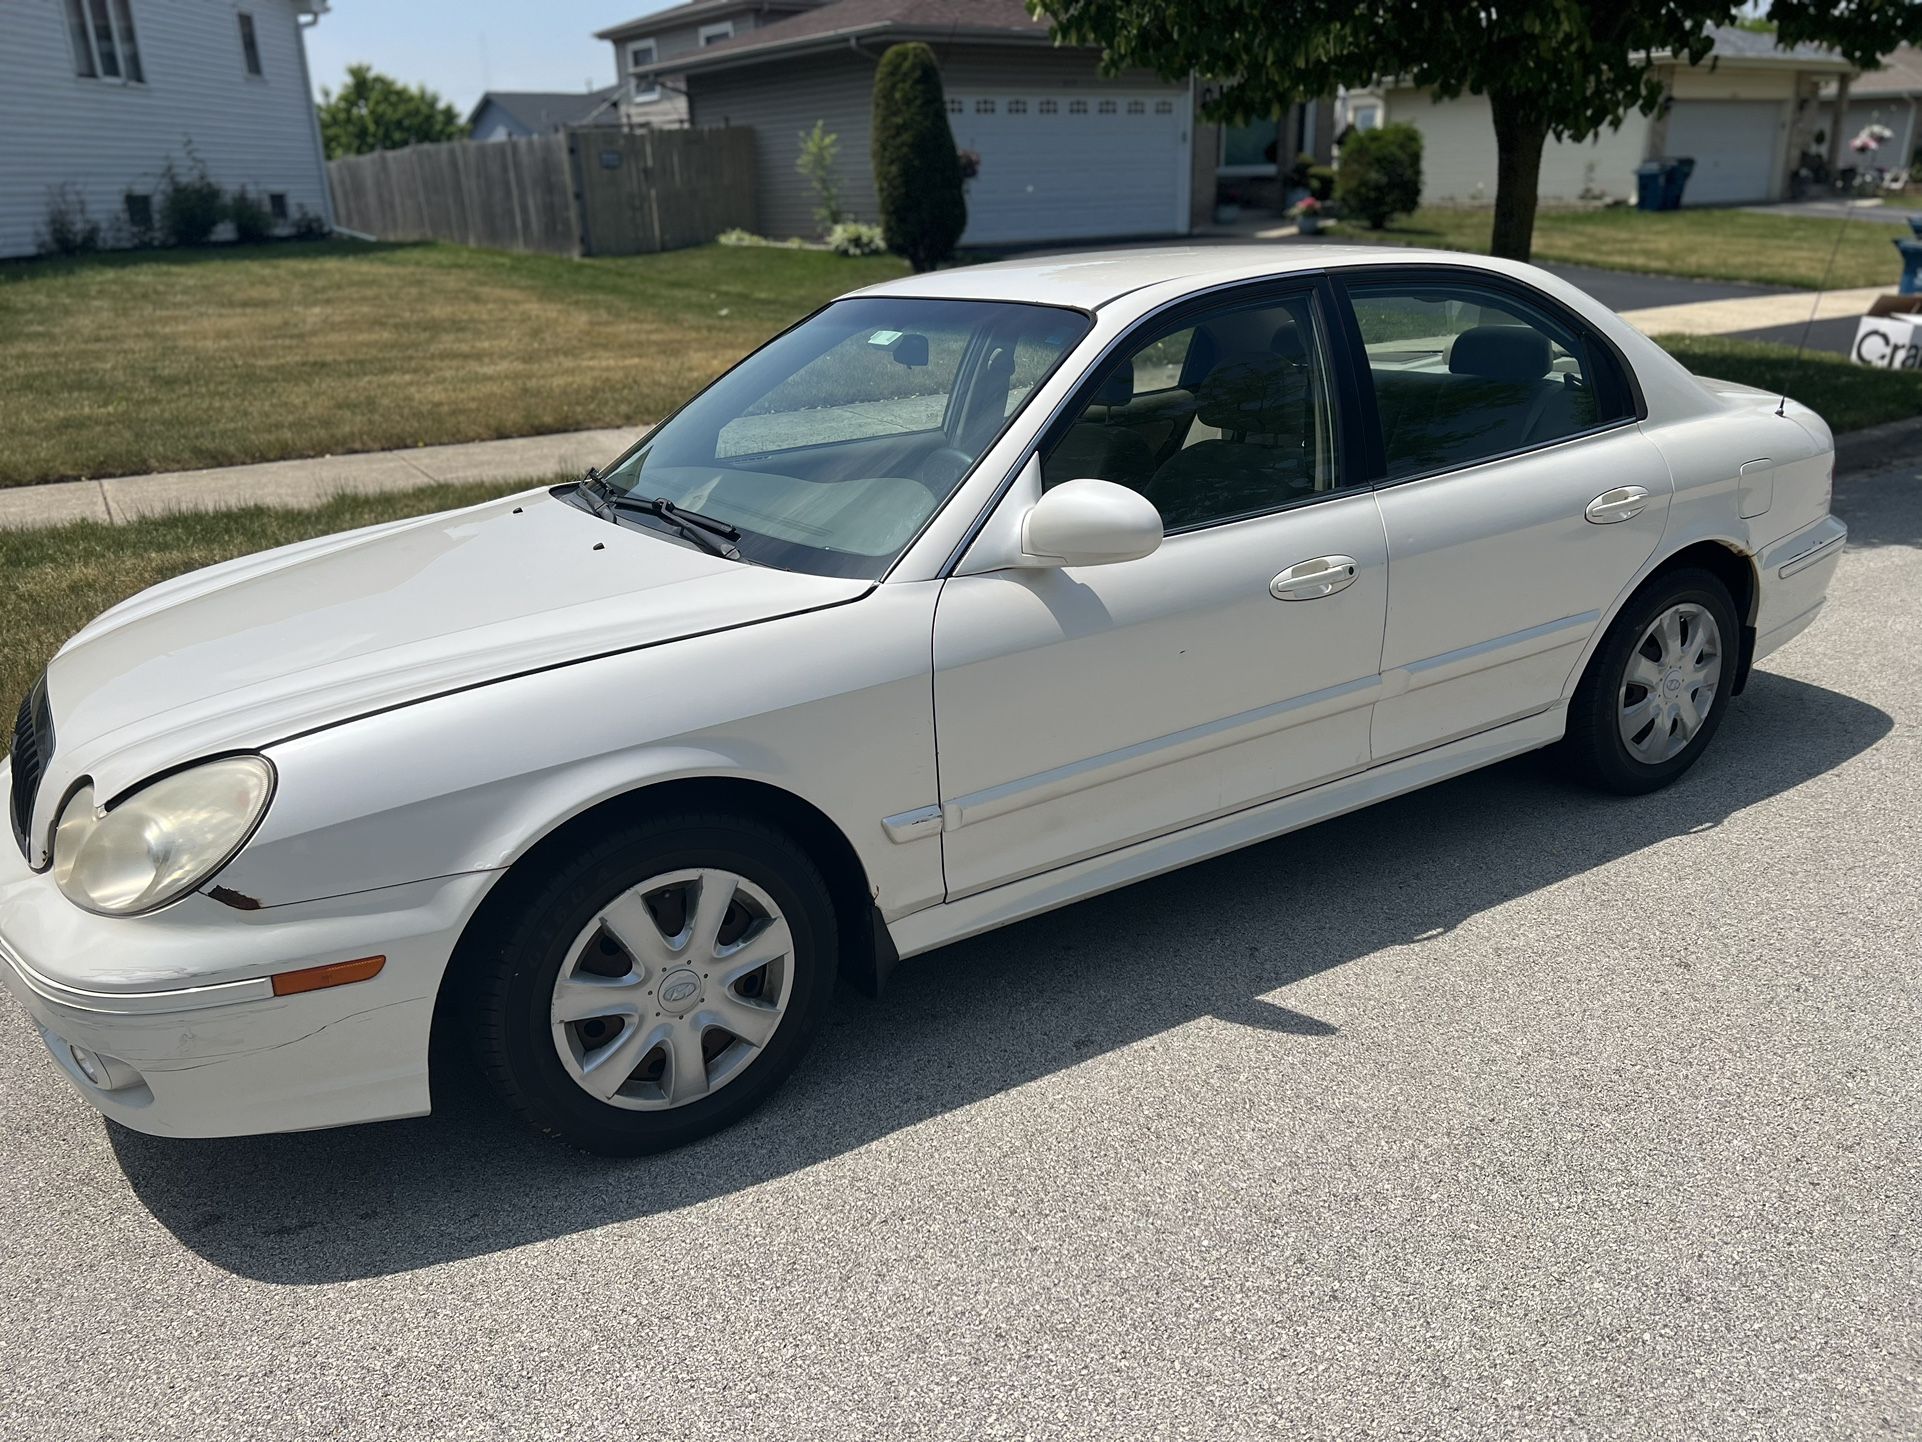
989, 20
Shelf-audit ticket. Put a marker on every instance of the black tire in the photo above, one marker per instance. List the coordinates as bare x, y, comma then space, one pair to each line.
1593, 749
509, 1019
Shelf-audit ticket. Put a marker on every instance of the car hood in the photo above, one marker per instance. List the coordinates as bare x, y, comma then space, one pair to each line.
254, 651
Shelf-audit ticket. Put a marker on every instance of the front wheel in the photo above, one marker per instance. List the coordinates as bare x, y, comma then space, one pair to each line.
660, 985
1655, 690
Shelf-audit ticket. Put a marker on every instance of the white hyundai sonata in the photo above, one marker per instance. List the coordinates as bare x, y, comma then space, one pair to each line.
971, 595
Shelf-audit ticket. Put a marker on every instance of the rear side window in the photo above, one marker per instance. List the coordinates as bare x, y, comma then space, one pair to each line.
1462, 374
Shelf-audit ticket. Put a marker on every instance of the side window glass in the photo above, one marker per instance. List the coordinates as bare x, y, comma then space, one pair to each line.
1223, 417
1462, 374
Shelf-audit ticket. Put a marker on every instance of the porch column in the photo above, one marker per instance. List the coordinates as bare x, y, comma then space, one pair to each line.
1838, 121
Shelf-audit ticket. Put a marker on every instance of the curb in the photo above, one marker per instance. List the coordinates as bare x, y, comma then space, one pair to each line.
1878, 446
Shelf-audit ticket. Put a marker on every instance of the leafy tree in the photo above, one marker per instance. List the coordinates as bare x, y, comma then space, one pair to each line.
1566, 68
917, 172
1380, 173
820, 148
376, 112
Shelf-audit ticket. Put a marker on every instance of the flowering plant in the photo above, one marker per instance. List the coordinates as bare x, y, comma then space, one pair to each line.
1871, 138
1307, 205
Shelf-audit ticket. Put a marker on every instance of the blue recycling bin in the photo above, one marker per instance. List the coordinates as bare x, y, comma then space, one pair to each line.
1648, 185
1659, 183
1911, 266
1675, 179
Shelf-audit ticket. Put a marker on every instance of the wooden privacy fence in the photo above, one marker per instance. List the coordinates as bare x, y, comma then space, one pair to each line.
574, 192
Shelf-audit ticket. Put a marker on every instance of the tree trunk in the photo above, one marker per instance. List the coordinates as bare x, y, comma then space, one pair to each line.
1520, 130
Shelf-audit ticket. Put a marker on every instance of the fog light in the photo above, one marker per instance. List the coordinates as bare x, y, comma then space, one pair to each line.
109, 1073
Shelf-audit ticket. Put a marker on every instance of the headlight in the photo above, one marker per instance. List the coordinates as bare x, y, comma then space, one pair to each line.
162, 841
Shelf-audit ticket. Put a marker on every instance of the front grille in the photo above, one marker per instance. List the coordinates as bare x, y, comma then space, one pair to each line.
32, 749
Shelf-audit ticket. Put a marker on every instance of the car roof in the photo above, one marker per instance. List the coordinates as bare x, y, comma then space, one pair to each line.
1092, 279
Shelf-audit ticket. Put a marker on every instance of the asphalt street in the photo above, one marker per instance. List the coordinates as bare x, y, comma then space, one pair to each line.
1502, 1110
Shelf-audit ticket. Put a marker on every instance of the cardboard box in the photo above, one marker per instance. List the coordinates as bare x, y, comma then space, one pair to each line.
1889, 337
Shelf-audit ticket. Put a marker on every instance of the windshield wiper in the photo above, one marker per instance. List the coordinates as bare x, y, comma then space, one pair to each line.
703, 531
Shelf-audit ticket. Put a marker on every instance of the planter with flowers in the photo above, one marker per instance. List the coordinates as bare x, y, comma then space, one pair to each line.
1308, 214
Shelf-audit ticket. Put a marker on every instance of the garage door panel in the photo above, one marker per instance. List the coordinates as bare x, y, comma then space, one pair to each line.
1065, 167
1733, 143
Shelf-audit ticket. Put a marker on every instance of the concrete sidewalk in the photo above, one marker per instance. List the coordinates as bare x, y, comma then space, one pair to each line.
311, 481
1740, 314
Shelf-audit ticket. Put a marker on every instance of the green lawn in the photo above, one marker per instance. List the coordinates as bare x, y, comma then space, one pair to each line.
1708, 244
54, 581
1846, 395
171, 360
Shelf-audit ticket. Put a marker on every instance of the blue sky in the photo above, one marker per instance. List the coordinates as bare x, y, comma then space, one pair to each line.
462, 47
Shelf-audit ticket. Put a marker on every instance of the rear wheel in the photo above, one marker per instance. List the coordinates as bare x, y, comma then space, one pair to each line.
659, 986
1654, 692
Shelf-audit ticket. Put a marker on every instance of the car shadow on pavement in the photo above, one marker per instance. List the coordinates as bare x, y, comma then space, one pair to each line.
979, 1018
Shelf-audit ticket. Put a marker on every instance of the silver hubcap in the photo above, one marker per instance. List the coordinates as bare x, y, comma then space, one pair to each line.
673, 989
1670, 683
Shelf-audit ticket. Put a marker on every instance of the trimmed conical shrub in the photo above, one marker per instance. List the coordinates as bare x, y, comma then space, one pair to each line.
917, 173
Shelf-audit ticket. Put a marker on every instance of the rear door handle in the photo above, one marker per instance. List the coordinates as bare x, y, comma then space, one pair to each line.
1311, 580
1617, 505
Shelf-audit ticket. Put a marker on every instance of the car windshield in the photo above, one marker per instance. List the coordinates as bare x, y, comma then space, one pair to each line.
830, 447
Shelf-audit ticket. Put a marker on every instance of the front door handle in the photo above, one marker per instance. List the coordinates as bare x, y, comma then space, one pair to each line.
1311, 580
1617, 505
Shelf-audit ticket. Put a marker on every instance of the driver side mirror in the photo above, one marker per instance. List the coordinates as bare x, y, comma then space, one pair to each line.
1089, 523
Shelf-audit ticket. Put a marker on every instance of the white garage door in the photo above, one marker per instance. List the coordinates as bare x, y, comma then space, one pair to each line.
1067, 166
1734, 145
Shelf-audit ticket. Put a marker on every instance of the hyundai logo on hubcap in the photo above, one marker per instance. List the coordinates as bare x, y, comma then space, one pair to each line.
678, 988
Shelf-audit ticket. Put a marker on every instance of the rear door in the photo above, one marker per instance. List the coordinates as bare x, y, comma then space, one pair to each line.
1517, 491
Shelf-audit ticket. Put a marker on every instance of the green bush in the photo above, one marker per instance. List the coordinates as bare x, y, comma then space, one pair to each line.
253, 221
1320, 180
191, 206
917, 172
1380, 174
853, 238
67, 229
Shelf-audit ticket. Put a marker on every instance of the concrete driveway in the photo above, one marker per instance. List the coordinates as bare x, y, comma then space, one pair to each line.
1502, 1110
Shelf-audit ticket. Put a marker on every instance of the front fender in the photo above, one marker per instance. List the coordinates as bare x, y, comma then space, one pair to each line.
471, 781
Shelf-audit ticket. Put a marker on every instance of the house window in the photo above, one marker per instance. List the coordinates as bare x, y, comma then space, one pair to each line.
104, 45
277, 204
249, 46
1106, 107
1017, 107
139, 213
641, 53
1249, 149
1137, 107
1077, 107
1047, 107
954, 106
1164, 107
984, 107
717, 32
1366, 117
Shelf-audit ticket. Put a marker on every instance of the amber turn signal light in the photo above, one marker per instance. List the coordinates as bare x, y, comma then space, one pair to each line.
334, 973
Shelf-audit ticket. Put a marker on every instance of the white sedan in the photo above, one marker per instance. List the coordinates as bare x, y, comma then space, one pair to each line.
972, 595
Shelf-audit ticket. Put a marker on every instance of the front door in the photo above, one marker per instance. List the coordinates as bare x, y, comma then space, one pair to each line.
1519, 497
1081, 709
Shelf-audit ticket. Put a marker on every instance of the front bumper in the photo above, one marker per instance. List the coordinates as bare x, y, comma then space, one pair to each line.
176, 1015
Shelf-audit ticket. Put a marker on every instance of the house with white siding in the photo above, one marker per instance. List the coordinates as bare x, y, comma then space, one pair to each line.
99, 96
1745, 115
